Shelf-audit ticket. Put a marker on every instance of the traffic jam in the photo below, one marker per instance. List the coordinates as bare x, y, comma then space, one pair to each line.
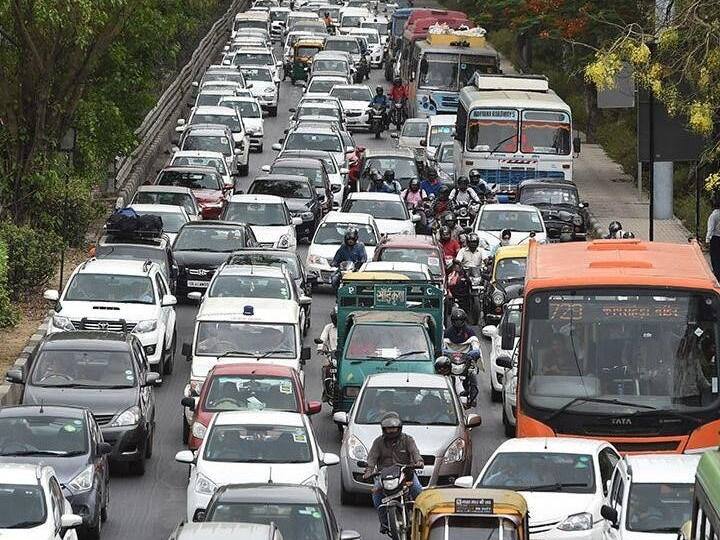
363, 298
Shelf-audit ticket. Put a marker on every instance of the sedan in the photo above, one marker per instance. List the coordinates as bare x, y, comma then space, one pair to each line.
523, 222
205, 183
431, 412
355, 99
388, 209
268, 216
245, 447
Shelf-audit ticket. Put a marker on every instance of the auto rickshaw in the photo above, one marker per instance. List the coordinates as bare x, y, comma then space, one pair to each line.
303, 52
505, 282
493, 514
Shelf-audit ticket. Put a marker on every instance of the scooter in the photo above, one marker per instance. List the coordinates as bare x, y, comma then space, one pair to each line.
466, 359
342, 269
329, 375
465, 213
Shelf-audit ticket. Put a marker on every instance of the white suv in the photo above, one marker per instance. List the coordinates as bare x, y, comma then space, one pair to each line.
34, 505
120, 296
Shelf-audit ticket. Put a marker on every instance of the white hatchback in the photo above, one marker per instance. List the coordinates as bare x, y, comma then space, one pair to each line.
523, 222
388, 209
267, 215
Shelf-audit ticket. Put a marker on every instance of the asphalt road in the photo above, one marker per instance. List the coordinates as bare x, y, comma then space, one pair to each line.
149, 507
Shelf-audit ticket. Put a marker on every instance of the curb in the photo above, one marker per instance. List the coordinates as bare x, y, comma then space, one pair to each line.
9, 394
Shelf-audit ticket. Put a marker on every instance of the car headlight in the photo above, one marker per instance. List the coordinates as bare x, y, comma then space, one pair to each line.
196, 386
390, 484
62, 323
284, 241
145, 326
307, 216
204, 485
577, 522
455, 452
198, 430
317, 259
129, 417
577, 220
356, 449
269, 90
84, 480
498, 298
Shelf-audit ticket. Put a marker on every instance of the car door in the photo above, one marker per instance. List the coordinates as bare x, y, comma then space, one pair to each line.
57, 507
100, 460
167, 312
615, 500
147, 397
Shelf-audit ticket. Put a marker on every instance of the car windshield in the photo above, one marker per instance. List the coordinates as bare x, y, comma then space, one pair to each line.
448, 71
445, 154
250, 393
43, 434
213, 239
192, 180
347, 45
306, 51
414, 255
252, 74
515, 220
423, 406
548, 195
110, 288
133, 252
414, 129
508, 269
182, 200
333, 233
322, 86
228, 120
245, 340
472, 528
246, 109
404, 168
229, 76
257, 443
210, 99
314, 141
330, 65
261, 214
381, 27
233, 286
388, 342
395, 210
658, 507
86, 368
288, 189
371, 38
171, 221
440, 134
21, 506
351, 21
213, 162
318, 111
281, 16
240, 25
253, 59
265, 259
295, 521
352, 94
540, 471
207, 143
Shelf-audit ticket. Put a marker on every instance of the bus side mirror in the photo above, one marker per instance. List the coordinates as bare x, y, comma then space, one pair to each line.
507, 331
577, 144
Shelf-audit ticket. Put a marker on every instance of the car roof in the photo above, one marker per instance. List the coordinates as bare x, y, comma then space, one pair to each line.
275, 493
363, 86
208, 130
315, 128
86, 340
258, 368
197, 153
374, 196
24, 411
348, 217
442, 120
189, 169
327, 78
217, 530
403, 153
331, 105
278, 418
507, 207
164, 189
259, 270
215, 110
557, 182
165, 208
282, 176
302, 162
562, 445
409, 241
667, 468
215, 224
25, 474
235, 99
265, 310
396, 380
113, 266
263, 199
390, 266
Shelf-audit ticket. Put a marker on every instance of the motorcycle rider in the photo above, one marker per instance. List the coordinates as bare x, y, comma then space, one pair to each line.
470, 256
384, 183
459, 334
463, 193
442, 202
450, 245
351, 250
450, 221
328, 336
399, 93
382, 100
328, 23
505, 236
414, 197
431, 184
393, 447
479, 186
614, 230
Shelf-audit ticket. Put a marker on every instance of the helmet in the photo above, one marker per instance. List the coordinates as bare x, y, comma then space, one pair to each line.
375, 175
614, 228
473, 240
462, 181
327, 13
443, 365
443, 192
397, 81
333, 315
458, 318
506, 234
474, 176
445, 233
379, 90
628, 234
351, 234
389, 175
414, 184
449, 219
391, 425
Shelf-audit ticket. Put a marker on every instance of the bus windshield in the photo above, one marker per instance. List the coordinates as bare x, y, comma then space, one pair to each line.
545, 132
448, 71
639, 351
492, 130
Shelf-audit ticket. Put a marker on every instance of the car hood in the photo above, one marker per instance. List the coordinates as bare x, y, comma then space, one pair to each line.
108, 311
351, 105
430, 440
102, 401
201, 365
395, 226
200, 259
222, 472
493, 237
207, 195
24, 534
410, 142
299, 205
553, 507
253, 124
266, 234
258, 87
66, 468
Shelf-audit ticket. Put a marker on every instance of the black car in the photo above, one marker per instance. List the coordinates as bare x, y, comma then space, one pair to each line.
105, 372
202, 246
564, 215
311, 168
69, 440
300, 512
299, 195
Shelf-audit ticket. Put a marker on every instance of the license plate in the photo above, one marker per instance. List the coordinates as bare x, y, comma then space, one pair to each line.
198, 284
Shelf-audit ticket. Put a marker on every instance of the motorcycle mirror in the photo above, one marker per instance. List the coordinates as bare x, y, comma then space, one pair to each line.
318, 341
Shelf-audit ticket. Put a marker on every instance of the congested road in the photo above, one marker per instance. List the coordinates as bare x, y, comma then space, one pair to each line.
150, 506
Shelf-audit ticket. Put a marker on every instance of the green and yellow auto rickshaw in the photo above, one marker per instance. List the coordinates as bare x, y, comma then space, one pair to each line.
304, 50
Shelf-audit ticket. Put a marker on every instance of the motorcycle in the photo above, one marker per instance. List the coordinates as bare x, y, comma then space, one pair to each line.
376, 114
465, 212
397, 113
363, 70
466, 287
329, 375
342, 269
466, 360
397, 500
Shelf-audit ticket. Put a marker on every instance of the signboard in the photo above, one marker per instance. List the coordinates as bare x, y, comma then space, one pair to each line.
473, 506
494, 114
392, 296
622, 95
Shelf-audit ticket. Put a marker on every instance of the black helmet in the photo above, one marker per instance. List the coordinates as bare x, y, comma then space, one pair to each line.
458, 317
614, 228
397, 81
379, 90
462, 181
473, 240
391, 425
445, 233
389, 175
443, 192
333, 315
506, 233
443, 365
449, 219
327, 13
351, 234
628, 234
414, 184
474, 176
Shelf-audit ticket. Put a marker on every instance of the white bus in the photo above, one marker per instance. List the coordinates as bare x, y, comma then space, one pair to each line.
511, 128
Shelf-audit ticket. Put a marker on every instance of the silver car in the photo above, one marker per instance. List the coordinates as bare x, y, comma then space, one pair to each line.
431, 414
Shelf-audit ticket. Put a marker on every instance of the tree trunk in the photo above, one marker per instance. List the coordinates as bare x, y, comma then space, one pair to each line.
591, 111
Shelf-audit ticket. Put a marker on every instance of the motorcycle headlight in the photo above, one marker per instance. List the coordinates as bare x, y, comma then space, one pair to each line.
204, 485
84, 480
129, 417
307, 216
577, 220
390, 484
317, 259
455, 452
356, 449
498, 297
198, 430
63, 323
577, 522
145, 326
476, 280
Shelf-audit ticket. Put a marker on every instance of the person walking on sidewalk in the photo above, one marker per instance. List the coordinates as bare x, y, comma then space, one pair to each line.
712, 237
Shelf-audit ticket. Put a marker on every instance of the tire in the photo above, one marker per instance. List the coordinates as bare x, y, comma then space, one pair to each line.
169, 363
397, 528
185, 429
260, 149
137, 467
347, 498
106, 505
495, 396
87, 532
508, 428
149, 443
272, 111
476, 310
377, 133
244, 170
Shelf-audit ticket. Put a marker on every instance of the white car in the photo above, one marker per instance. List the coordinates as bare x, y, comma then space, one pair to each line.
388, 209
523, 221
355, 100
255, 447
173, 217
265, 86
441, 128
33, 506
412, 133
321, 85
563, 480
412, 270
268, 216
120, 296
248, 107
201, 158
380, 24
375, 46
511, 314
650, 497
329, 236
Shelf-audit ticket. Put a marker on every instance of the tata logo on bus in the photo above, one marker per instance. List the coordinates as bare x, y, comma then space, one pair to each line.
621, 421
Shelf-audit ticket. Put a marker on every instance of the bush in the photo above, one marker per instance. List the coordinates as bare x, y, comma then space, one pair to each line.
8, 313
31, 257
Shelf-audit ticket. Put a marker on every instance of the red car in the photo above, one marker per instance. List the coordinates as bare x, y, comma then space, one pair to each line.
235, 387
205, 183
417, 249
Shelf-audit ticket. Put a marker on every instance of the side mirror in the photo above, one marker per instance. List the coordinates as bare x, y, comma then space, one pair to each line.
52, 295
277, 147
423, 142
152, 378
168, 300
180, 121
188, 402
70, 521
344, 170
318, 341
349, 149
199, 515
609, 513
415, 218
394, 135
305, 354
504, 361
313, 407
349, 535
585, 204
265, 168
464, 482
577, 145
489, 331
296, 221
292, 110
473, 420
186, 351
341, 418
103, 448
330, 459
195, 84
237, 151
304, 300
15, 375
508, 336
195, 296
185, 456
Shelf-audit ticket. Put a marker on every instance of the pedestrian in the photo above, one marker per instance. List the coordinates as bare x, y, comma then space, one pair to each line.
712, 237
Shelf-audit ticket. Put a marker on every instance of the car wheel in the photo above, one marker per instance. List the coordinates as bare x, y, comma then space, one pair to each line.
260, 149
169, 363
106, 505
272, 111
137, 467
93, 532
149, 443
509, 428
244, 170
185, 429
347, 498
495, 396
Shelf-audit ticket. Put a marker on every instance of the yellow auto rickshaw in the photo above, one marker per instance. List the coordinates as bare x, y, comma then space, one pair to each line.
492, 514
506, 281
303, 52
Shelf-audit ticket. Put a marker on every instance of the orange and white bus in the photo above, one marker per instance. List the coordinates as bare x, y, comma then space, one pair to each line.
619, 341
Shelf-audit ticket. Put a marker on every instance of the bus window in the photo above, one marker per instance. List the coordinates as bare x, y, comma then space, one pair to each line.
438, 71
470, 64
492, 130
545, 132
